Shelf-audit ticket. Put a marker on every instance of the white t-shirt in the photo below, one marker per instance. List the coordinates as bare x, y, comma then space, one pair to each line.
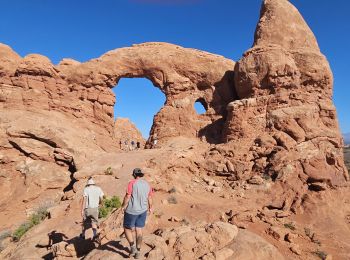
93, 194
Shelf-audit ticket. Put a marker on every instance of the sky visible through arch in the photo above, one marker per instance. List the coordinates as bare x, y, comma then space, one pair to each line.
138, 100
85, 29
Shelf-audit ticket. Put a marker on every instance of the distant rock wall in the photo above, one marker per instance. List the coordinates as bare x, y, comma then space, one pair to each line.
126, 132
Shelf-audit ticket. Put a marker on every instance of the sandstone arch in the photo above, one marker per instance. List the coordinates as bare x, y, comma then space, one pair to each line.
183, 75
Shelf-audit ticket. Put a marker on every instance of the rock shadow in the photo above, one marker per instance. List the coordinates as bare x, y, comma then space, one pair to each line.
81, 246
115, 247
212, 132
224, 93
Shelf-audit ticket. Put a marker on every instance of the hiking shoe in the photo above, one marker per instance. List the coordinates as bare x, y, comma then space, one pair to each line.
133, 251
82, 236
137, 254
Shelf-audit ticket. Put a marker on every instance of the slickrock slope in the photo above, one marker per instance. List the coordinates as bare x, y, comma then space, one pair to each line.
266, 156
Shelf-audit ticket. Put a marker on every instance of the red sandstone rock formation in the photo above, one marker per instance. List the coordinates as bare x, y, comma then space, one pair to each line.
284, 121
63, 114
270, 127
125, 130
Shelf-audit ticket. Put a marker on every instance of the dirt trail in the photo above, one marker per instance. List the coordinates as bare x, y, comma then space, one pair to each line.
121, 164
131, 160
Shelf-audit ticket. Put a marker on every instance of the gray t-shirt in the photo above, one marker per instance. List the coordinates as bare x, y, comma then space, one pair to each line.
93, 194
140, 190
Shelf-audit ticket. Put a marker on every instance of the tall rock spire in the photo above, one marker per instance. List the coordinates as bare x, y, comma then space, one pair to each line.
281, 24
285, 55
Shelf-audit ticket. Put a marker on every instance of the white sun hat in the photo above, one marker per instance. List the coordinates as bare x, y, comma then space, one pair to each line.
90, 182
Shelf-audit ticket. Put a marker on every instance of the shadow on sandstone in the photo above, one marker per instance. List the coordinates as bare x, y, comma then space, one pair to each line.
80, 248
212, 132
224, 93
115, 247
54, 238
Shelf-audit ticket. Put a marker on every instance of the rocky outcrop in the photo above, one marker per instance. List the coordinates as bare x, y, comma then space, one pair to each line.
125, 132
207, 241
63, 115
284, 122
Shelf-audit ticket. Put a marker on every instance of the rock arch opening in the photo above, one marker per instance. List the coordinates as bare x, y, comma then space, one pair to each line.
137, 102
201, 106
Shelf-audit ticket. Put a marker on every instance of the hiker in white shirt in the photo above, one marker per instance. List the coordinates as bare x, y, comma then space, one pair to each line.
92, 197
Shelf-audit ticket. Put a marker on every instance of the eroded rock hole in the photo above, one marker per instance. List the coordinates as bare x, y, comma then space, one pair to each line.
137, 102
200, 106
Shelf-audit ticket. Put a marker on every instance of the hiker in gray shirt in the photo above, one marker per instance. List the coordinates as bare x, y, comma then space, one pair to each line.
137, 202
92, 197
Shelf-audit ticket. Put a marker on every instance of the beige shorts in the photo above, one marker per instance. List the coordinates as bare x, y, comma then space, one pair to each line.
91, 216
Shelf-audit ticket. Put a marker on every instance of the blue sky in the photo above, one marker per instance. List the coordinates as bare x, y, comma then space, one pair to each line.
85, 29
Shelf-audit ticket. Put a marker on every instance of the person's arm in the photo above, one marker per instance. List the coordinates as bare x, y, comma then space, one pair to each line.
150, 201
126, 201
127, 195
102, 196
83, 203
150, 204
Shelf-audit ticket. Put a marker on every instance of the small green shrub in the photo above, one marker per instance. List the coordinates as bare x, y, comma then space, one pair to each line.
172, 200
38, 216
103, 212
108, 205
308, 232
109, 171
21, 230
33, 220
322, 255
185, 222
266, 177
5, 234
158, 214
172, 190
290, 226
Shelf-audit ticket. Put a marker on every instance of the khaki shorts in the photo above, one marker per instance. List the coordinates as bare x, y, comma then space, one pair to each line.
91, 216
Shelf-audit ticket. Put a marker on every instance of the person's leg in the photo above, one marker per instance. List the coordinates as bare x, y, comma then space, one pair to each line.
139, 225
94, 223
129, 236
129, 224
138, 242
138, 238
84, 226
94, 229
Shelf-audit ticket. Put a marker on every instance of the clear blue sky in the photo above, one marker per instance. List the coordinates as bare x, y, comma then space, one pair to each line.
85, 29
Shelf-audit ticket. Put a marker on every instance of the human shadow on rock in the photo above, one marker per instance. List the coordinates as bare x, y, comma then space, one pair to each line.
81, 246
115, 247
